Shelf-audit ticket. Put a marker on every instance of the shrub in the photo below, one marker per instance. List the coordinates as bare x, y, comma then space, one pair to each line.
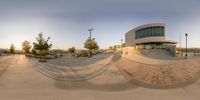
72, 50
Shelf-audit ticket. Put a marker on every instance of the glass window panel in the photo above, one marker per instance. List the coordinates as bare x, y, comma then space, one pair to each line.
146, 31
147, 34
150, 31
154, 31
140, 35
157, 31
162, 31
137, 34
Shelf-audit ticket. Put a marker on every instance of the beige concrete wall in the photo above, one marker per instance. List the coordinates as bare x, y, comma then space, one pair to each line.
128, 50
130, 38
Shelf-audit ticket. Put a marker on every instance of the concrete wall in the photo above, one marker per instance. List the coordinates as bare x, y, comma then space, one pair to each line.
128, 50
172, 49
130, 38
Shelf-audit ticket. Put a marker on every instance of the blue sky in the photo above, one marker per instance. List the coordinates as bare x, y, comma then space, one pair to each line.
67, 21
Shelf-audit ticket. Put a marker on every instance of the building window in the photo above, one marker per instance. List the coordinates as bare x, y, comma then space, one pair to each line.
150, 32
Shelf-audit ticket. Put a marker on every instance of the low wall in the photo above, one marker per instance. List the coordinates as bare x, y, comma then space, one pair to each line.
172, 49
131, 50
128, 50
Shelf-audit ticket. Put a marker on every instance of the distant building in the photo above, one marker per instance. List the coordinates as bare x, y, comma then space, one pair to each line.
148, 36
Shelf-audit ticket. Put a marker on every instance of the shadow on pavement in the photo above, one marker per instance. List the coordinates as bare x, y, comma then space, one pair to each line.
80, 61
87, 85
116, 56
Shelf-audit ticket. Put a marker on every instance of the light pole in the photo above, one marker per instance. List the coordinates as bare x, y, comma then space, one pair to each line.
186, 36
90, 30
121, 45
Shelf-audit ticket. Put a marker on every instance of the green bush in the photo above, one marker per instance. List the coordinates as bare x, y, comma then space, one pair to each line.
72, 50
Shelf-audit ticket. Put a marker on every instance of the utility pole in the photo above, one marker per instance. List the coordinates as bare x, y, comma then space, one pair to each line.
90, 31
121, 45
180, 45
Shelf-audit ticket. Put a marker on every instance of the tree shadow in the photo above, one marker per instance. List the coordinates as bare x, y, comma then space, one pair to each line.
88, 85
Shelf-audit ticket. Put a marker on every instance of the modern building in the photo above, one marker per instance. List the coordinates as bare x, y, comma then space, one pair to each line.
148, 36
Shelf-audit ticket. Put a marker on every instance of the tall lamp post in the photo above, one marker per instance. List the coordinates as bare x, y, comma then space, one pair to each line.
186, 37
90, 30
121, 45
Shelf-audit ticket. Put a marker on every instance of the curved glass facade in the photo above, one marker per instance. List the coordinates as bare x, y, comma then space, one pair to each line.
149, 32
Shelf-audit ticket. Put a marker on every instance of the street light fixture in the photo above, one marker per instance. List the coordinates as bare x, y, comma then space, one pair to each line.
90, 30
186, 37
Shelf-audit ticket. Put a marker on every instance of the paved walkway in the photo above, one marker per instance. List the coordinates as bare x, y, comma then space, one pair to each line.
22, 81
73, 73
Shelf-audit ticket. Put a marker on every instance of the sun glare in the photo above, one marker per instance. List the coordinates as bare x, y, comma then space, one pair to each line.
15, 32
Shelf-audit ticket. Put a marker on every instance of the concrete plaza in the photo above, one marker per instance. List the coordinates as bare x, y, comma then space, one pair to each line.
23, 81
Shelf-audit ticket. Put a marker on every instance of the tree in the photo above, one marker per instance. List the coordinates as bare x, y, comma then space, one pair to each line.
91, 44
42, 44
26, 46
12, 49
114, 48
123, 45
110, 48
33, 51
72, 50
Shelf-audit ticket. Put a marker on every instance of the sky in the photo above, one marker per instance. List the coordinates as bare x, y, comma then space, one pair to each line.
67, 21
